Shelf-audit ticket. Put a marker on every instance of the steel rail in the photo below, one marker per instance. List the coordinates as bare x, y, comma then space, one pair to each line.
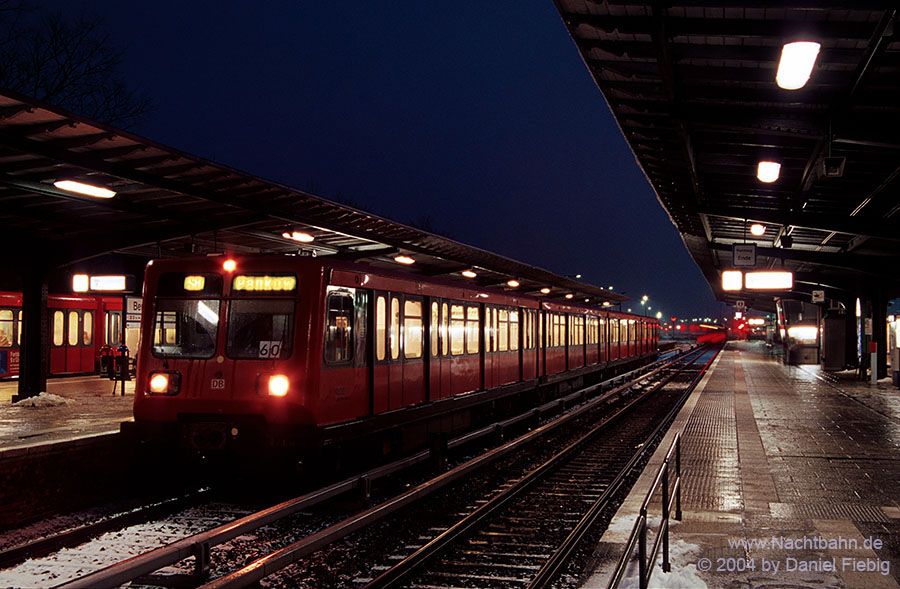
199, 545
409, 565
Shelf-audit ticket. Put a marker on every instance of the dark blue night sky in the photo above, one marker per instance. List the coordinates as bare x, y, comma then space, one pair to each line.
478, 118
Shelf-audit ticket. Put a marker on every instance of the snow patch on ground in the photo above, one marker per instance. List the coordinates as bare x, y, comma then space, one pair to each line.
43, 400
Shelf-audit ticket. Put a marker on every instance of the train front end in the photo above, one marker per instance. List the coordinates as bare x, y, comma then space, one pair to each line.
224, 366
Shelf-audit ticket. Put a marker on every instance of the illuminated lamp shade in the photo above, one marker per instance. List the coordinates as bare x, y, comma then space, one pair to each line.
80, 283
796, 64
229, 265
86, 189
570, 296
758, 229
406, 260
300, 236
768, 172
512, 283
606, 303
469, 273
545, 290
769, 280
732, 280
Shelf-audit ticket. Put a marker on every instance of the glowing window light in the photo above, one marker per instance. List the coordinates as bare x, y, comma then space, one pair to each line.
86, 189
229, 265
469, 273
207, 313
80, 283
545, 290
769, 280
300, 236
804, 333
512, 283
768, 172
796, 64
758, 229
406, 260
732, 280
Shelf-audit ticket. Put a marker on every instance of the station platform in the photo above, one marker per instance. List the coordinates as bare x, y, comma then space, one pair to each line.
791, 478
77, 407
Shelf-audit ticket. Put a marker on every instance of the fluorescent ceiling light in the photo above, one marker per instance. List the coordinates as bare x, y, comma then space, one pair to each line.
300, 236
758, 229
86, 189
732, 280
797, 61
80, 283
404, 260
768, 171
769, 280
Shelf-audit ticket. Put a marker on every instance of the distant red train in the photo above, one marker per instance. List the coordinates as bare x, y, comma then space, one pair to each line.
288, 350
79, 327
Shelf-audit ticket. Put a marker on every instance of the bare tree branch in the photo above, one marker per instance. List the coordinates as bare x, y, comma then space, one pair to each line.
72, 64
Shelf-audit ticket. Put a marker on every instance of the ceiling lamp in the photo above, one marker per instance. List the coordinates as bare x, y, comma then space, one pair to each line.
300, 236
797, 61
758, 229
768, 172
513, 283
404, 260
732, 280
86, 189
545, 290
469, 273
570, 296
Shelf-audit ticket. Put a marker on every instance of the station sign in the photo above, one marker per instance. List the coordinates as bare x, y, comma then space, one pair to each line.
104, 284
133, 307
743, 255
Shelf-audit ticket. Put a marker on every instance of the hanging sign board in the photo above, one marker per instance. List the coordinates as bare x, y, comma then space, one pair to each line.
743, 255
818, 296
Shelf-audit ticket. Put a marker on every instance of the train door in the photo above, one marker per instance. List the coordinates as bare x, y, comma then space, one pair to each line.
434, 351
604, 340
529, 358
490, 336
71, 348
380, 366
412, 363
613, 338
9, 349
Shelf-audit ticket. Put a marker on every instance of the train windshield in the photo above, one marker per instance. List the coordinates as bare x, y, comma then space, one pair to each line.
185, 328
260, 328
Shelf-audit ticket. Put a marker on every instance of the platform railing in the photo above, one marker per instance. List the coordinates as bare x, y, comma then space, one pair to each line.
639, 532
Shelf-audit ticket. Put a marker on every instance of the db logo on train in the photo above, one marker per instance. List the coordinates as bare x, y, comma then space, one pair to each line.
217, 384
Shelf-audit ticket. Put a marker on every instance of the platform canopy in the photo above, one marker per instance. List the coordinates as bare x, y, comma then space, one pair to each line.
692, 86
170, 203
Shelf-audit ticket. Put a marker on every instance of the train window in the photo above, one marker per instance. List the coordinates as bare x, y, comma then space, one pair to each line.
259, 328
339, 315
412, 329
186, 328
435, 329
6, 328
503, 331
614, 331
513, 330
19, 330
380, 327
73, 328
526, 330
495, 329
457, 330
472, 330
114, 329
445, 331
540, 334
395, 328
59, 320
87, 336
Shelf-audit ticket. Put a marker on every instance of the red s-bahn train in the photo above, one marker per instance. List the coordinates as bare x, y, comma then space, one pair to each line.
79, 327
287, 350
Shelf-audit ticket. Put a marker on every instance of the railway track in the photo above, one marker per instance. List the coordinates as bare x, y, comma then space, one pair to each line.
524, 535
242, 532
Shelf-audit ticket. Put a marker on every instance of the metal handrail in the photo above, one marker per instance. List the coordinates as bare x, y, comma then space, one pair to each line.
639, 532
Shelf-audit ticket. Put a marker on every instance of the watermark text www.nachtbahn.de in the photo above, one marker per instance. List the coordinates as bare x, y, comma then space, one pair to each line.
783, 562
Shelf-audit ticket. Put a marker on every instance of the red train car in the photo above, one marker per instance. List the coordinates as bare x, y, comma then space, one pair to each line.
286, 349
79, 327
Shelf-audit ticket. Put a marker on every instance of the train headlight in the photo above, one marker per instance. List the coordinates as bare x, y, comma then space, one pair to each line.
165, 383
278, 385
